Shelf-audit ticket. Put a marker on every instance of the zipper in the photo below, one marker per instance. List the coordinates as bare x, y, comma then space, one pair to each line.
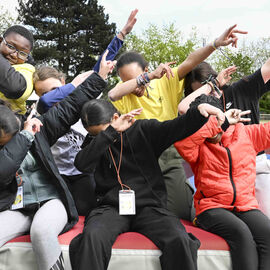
231, 178
33, 186
202, 195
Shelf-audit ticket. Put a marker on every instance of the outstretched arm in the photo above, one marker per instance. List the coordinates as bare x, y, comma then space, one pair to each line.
117, 42
132, 86
57, 121
196, 57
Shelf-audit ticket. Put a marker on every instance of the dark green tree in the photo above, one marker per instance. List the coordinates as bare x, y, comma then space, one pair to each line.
69, 34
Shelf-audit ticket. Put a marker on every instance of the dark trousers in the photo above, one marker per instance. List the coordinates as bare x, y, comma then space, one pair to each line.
92, 248
179, 191
82, 188
247, 234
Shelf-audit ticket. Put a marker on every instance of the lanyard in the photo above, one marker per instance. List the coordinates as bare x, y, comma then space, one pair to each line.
120, 161
17, 175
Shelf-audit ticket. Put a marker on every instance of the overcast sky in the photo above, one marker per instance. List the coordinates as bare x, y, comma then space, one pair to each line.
211, 17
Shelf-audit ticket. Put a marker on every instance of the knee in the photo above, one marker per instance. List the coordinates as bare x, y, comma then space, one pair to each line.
42, 234
183, 241
242, 237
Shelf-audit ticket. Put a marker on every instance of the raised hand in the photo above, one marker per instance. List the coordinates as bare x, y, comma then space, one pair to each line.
229, 37
130, 23
125, 121
32, 124
81, 78
224, 75
234, 116
207, 109
106, 67
139, 91
161, 70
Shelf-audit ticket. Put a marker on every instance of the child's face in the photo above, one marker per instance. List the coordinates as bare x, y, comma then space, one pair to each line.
43, 87
4, 139
131, 71
15, 48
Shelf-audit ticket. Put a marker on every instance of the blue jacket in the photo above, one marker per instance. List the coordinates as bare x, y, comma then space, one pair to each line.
56, 95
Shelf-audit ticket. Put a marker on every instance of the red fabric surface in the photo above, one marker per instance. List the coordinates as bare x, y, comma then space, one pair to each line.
133, 240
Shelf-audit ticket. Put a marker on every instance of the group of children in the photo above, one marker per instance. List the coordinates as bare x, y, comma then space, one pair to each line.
117, 162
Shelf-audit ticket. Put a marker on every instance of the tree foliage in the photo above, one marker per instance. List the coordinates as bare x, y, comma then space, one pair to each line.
160, 45
69, 34
225, 57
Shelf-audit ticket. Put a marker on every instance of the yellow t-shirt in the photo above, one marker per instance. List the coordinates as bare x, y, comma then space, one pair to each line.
19, 104
164, 97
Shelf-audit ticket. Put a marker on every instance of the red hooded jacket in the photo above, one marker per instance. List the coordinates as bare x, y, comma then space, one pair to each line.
225, 172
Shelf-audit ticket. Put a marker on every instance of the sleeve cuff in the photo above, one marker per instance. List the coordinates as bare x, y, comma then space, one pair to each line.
28, 135
225, 125
112, 133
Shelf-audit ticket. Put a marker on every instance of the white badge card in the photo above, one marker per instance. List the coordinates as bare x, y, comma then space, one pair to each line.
127, 202
18, 203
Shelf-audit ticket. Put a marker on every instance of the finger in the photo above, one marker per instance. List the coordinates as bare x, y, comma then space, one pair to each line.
32, 113
134, 12
171, 72
245, 112
105, 55
245, 119
230, 29
168, 72
204, 113
240, 31
170, 63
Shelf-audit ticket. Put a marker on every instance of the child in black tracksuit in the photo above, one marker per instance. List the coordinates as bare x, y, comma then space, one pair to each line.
135, 167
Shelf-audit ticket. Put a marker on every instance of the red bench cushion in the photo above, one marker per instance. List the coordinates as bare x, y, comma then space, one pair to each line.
133, 240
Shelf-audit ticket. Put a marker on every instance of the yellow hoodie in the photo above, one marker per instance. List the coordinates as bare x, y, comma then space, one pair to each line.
19, 104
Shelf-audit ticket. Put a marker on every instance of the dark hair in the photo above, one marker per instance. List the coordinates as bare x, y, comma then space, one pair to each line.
131, 57
9, 123
199, 74
214, 101
97, 112
21, 30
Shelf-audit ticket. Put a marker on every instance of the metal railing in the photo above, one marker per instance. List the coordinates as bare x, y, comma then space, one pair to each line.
264, 117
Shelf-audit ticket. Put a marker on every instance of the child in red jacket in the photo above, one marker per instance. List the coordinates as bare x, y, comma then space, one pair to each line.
223, 160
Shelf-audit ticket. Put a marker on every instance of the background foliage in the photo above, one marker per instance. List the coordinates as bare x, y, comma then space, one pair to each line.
71, 34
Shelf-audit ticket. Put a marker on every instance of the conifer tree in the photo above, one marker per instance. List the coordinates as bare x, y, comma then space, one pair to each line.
69, 34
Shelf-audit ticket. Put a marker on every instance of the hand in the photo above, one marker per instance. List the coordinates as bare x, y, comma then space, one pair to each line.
32, 124
81, 78
224, 75
207, 109
125, 121
234, 116
106, 67
229, 37
161, 70
139, 91
130, 22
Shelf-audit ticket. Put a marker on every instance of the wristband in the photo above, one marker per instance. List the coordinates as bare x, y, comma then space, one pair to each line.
122, 34
214, 44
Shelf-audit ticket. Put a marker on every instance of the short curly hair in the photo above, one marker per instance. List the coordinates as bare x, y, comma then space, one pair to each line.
21, 30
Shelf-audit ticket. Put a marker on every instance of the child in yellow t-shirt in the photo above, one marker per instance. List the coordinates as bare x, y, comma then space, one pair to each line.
159, 97
16, 83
